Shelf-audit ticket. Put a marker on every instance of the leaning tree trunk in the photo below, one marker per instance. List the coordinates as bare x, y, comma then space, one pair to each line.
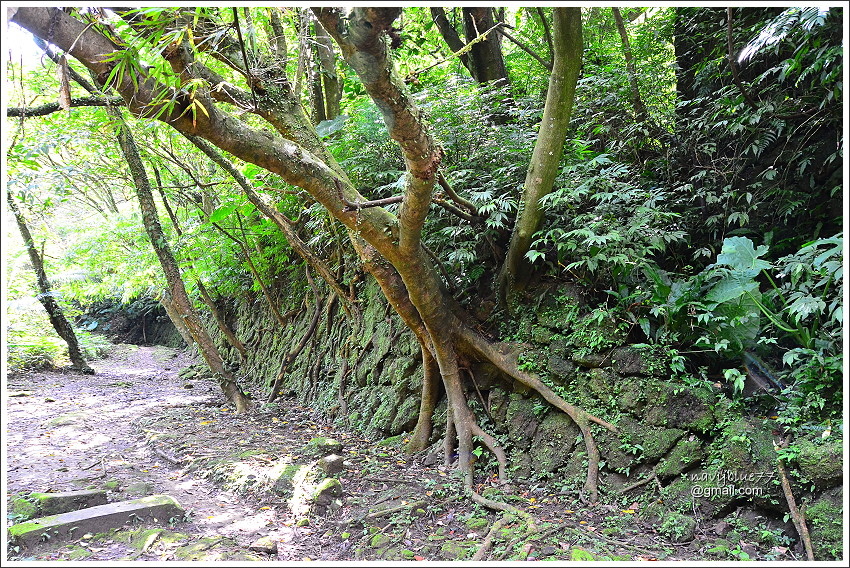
637, 102
177, 290
57, 318
548, 149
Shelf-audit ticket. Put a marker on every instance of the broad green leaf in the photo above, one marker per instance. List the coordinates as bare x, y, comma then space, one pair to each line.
221, 213
738, 252
250, 170
732, 285
328, 127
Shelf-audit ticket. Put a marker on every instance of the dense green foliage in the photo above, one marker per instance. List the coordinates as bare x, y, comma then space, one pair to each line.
709, 228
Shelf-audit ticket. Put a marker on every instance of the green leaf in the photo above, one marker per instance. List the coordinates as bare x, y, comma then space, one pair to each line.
732, 285
250, 170
222, 212
328, 127
739, 253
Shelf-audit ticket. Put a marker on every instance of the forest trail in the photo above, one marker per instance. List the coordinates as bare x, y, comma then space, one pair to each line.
136, 427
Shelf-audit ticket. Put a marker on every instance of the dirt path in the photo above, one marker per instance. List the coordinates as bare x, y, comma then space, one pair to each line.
135, 429
71, 432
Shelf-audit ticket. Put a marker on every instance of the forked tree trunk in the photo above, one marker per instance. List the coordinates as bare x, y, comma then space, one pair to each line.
389, 245
486, 62
45, 296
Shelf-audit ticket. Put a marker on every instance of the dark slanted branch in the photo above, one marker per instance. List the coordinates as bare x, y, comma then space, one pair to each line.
454, 210
352, 206
463, 51
547, 31
525, 48
50, 108
358, 205
465, 203
736, 78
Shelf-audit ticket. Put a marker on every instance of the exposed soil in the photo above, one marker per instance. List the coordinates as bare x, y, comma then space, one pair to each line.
136, 423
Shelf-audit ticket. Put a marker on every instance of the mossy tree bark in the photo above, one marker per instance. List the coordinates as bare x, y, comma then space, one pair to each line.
389, 245
548, 149
45, 296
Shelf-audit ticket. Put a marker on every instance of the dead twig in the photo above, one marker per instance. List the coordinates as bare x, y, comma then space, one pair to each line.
797, 515
390, 511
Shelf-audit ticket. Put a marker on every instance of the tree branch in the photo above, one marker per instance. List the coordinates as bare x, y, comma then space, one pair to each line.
49, 108
525, 48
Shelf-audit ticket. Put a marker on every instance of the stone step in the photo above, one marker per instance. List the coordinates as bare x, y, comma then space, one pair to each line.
55, 503
68, 526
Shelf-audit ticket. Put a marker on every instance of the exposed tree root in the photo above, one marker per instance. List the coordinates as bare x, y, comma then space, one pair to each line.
488, 540
290, 357
641, 482
428, 401
507, 363
494, 447
509, 510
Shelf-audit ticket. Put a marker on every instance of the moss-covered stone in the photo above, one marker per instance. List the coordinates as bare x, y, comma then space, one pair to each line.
521, 420
821, 463
498, 401
379, 540
590, 360
79, 553
23, 509
824, 517
322, 446
140, 488
554, 441
678, 527
383, 415
559, 368
700, 488
684, 454
326, 490
636, 443
746, 460
406, 415
628, 360
475, 523
631, 396
202, 549
285, 480
455, 550
677, 407
143, 539
602, 382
